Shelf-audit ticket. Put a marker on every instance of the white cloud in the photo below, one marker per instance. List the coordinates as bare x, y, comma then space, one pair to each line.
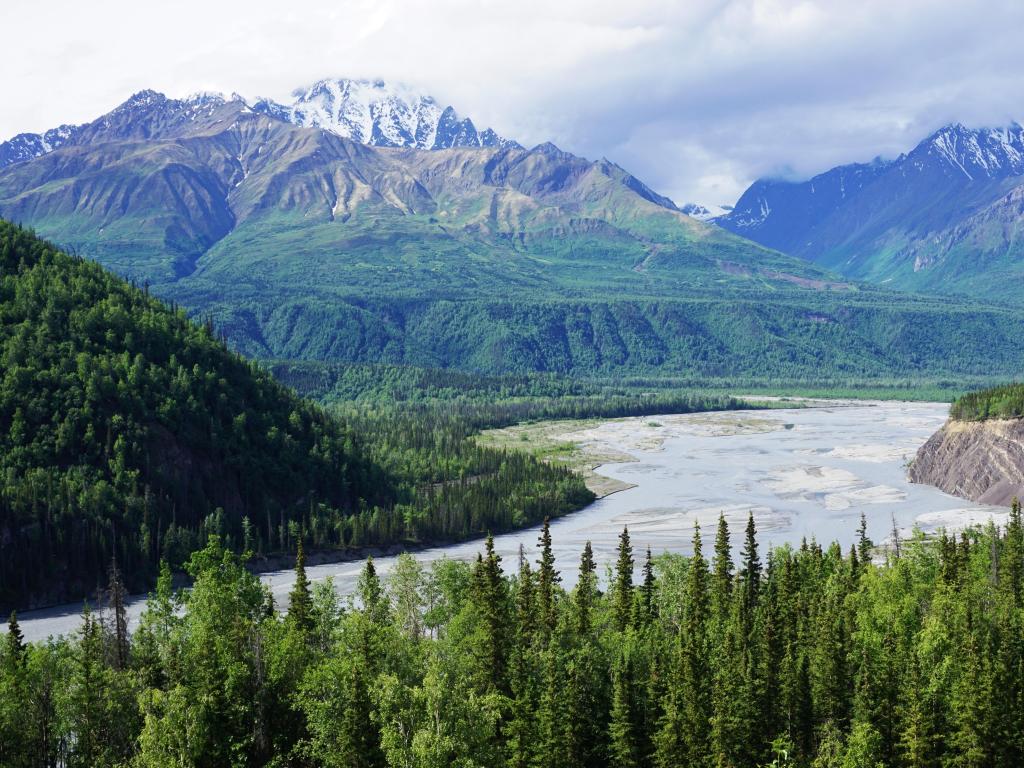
697, 98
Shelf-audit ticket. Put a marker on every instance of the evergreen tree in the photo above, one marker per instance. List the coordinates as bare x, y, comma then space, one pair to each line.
684, 730
300, 599
585, 593
116, 597
625, 728
547, 578
721, 585
864, 544
371, 594
1012, 561
643, 607
15, 640
623, 590
586, 709
490, 598
751, 575
696, 670
520, 732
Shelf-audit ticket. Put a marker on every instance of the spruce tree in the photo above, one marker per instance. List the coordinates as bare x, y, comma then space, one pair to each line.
15, 640
721, 585
751, 576
371, 594
586, 591
520, 732
696, 671
300, 600
644, 609
1012, 561
547, 578
357, 743
526, 609
624, 729
550, 715
491, 601
864, 544
622, 600
116, 596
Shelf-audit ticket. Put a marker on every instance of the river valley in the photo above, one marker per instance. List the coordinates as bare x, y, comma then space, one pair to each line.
803, 472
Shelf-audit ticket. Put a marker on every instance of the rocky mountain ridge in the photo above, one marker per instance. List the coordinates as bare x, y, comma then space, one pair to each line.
944, 217
366, 111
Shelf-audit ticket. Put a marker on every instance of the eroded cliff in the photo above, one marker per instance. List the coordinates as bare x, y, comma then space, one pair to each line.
982, 461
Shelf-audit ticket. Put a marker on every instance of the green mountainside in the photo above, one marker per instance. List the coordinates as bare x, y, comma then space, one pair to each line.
129, 432
301, 244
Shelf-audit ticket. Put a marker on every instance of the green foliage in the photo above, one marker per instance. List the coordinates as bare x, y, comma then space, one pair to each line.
129, 433
1002, 402
697, 335
917, 663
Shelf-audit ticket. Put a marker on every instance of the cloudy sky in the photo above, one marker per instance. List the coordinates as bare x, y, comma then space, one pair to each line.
697, 97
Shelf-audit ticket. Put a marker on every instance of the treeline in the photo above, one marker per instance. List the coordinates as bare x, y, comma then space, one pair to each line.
805, 656
379, 382
706, 334
1003, 402
128, 432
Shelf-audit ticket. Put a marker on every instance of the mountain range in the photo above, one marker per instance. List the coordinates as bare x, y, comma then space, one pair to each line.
946, 217
303, 242
367, 111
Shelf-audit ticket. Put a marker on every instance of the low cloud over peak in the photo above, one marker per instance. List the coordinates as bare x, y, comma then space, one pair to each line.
697, 99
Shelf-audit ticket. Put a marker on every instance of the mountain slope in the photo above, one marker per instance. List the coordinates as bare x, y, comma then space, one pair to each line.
184, 187
368, 112
944, 217
305, 244
127, 431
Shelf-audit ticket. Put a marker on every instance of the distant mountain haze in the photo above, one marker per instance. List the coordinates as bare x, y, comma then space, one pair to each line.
947, 217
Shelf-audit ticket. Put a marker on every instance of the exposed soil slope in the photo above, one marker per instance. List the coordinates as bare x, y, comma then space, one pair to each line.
982, 461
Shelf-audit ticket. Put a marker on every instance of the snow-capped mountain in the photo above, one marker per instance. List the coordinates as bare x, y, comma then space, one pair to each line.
703, 212
370, 112
143, 115
976, 152
26, 146
380, 114
943, 216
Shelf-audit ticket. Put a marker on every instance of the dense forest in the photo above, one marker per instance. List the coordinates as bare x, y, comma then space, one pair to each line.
129, 432
802, 656
712, 333
1002, 402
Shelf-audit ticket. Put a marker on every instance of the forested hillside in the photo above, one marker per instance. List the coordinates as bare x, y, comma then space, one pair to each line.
1002, 402
801, 656
128, 432
773, 336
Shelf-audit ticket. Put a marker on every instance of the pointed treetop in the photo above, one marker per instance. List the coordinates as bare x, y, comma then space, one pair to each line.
15, 639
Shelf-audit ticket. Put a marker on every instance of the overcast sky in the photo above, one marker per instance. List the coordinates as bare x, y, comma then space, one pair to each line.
696, 97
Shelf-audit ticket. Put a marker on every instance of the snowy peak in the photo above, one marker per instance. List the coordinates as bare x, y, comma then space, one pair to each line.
976, 152
703, 212
26, 146
368, 111
381, 114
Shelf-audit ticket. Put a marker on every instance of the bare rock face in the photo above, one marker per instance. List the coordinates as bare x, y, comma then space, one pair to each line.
981, 461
